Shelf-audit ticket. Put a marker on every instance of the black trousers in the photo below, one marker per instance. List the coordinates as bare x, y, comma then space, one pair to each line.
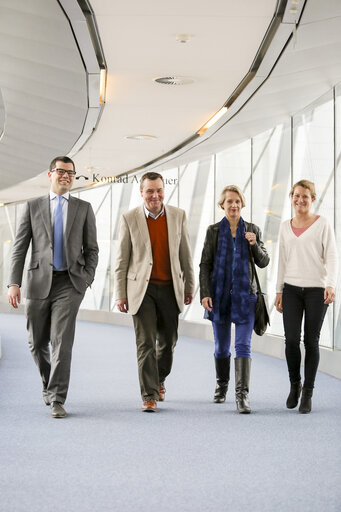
156, 330
297, 301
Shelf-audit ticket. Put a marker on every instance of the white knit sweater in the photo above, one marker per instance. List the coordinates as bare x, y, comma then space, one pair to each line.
307, 260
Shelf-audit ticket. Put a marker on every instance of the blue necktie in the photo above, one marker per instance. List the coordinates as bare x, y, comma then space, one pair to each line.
58, 235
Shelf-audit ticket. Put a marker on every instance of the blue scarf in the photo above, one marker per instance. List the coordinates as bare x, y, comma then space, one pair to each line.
230, 285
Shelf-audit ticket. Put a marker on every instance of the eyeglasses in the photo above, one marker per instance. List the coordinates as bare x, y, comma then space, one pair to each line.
61, 172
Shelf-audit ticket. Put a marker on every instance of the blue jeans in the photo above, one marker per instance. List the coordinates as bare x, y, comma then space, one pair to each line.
243, 332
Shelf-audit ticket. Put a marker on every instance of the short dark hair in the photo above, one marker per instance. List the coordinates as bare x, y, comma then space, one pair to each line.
64, 159
150, 176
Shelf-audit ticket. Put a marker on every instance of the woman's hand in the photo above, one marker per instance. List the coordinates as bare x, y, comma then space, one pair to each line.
329, 295
278, 302
207, 303
251, 237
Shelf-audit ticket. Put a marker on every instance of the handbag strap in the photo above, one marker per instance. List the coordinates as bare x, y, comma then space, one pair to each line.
253, 266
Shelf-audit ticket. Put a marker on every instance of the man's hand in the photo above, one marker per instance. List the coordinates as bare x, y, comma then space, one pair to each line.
278, 303
207, 303
188, 298
14, 296
122, 305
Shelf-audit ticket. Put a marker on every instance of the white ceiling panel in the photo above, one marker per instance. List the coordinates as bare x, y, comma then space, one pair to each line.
139, 41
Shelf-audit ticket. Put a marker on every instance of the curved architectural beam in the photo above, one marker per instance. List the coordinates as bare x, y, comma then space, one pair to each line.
281, 29
49, 80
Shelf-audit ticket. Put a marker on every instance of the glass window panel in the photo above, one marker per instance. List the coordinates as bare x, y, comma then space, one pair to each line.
271, 204
97, 297
337, 306
7, 234
233, 167
313, 151
171, 178
196, 197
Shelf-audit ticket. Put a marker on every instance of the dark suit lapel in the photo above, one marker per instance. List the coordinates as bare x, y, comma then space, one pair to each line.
44, 207
71, 214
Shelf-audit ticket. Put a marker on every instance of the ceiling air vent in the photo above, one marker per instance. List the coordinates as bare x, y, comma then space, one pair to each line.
140, 137
173, 80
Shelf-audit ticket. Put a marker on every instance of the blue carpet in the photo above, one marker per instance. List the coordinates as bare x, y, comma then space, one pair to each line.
191, 456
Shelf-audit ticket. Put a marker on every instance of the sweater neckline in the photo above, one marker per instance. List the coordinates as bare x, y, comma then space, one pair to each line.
305, 229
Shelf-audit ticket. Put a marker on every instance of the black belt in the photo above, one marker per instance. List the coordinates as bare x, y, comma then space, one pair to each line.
60, 273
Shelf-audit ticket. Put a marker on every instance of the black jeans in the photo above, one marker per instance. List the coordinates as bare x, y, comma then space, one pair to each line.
297, 301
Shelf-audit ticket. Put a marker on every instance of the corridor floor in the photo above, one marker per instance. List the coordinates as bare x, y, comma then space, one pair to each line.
191, 456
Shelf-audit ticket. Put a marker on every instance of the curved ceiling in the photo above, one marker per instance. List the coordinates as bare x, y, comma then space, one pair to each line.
140, 43
43, 86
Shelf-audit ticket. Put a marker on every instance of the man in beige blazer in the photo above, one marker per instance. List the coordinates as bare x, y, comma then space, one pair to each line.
153, 280
61, 230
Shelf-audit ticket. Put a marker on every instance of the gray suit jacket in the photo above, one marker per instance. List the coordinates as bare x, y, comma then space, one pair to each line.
134, 260
80, 245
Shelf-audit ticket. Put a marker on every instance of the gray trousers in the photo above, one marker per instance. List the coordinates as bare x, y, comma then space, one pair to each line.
53, 320
156, 330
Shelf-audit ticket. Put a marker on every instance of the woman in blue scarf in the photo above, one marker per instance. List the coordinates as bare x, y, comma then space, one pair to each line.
228, 291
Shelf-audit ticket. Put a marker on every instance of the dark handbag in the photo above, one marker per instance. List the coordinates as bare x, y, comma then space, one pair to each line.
262, 319
262, 316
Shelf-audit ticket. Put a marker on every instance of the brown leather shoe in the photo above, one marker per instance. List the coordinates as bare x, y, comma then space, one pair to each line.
149, 406
162, 391
57, 410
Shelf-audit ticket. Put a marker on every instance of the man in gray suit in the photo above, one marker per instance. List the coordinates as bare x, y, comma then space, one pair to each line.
62, 231
153, 280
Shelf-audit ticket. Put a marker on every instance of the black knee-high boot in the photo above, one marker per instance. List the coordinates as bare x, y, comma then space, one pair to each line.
242, 370
305, 405
222, 368
294, 395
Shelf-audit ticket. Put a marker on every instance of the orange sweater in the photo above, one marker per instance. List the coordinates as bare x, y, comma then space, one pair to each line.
158, 234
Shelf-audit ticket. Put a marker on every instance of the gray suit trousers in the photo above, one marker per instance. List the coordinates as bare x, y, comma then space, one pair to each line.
53, 320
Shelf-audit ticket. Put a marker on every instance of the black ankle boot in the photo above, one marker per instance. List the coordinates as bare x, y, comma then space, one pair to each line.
305, 405
222, 368
242, 369
294, 395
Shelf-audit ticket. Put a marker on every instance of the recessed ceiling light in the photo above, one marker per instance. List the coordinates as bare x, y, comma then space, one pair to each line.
173, 80
182, 38
140, 137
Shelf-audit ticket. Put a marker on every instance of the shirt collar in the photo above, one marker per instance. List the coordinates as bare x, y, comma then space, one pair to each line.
149, 214
53, 195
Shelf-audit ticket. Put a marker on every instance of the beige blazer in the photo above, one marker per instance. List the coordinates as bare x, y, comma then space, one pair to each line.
134, 260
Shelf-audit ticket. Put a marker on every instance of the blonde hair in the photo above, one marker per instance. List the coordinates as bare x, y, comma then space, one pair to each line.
309, 185
230, 188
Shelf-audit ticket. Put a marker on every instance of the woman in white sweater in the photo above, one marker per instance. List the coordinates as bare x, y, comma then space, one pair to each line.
306, 280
